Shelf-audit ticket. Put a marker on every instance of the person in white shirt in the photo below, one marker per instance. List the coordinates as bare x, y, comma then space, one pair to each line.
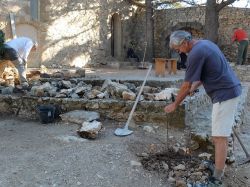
17, 51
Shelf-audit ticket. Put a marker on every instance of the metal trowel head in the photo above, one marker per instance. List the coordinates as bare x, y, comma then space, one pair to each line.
123, 132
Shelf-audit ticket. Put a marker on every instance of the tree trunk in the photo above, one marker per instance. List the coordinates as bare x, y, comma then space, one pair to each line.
212, 18
149, 31
211, 21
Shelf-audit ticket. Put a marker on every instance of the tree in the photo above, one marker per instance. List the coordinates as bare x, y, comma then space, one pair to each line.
212, 18
149, 31
213, 8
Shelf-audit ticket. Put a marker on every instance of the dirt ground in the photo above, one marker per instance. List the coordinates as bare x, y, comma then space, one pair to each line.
33, 154
37, 155
239, 175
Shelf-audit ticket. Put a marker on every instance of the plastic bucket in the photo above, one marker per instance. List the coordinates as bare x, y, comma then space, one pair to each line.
46, 113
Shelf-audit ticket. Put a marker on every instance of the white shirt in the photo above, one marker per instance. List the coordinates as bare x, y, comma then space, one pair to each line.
22, 45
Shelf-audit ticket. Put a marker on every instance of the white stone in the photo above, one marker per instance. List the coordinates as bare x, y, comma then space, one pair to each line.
166, 94
148, 129
135, 163
205, 155
93, 126
128, 95
171, 179
180, 167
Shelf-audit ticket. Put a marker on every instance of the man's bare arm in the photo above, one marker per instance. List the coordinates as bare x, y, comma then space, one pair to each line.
184, 91
194, 86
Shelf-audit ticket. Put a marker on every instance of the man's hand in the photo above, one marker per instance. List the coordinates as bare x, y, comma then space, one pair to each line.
184, 91
170, 108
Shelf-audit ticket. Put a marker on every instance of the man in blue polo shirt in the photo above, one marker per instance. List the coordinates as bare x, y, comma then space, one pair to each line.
207, 65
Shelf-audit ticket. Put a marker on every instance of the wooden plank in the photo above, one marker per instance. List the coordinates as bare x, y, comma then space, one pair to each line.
12, 23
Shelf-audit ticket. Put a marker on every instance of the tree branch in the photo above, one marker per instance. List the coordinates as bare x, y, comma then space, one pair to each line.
223, 4
167, 2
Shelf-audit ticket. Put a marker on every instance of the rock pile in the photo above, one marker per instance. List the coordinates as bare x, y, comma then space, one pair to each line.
77, 88
179, 167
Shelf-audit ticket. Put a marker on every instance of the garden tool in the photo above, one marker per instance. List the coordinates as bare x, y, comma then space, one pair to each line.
125, 131
142, 66
168, 119
247, 159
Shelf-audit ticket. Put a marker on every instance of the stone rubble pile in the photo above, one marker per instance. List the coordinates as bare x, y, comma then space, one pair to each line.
181, 168
77, 88
8, 74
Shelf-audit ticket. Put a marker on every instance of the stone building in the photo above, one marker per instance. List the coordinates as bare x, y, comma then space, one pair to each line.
70, 32
74, 33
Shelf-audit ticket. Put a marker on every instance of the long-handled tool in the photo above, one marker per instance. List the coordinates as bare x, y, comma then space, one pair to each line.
168, 119
142, 66
125, 131
247, 159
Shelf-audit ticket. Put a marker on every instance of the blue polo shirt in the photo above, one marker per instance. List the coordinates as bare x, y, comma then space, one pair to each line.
206, 63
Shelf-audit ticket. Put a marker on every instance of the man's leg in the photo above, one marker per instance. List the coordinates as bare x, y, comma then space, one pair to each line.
221, 145
222, 123
240, 53
244, 55
21, 68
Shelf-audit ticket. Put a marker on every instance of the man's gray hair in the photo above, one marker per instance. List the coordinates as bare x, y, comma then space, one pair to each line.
177, 37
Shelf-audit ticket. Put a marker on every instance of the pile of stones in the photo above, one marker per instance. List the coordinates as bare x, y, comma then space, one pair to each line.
178, 166
78, 88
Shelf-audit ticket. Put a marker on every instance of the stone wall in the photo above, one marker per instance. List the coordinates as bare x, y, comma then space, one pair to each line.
79, 32
113, 107
147, 111
73, 33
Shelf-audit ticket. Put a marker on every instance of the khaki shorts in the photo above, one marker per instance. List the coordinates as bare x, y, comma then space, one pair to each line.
223, 117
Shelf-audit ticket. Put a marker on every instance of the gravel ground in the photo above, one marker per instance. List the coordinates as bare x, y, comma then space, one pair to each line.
33, 154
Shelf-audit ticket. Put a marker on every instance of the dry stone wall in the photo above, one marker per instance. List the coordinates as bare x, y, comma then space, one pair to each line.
146, 111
